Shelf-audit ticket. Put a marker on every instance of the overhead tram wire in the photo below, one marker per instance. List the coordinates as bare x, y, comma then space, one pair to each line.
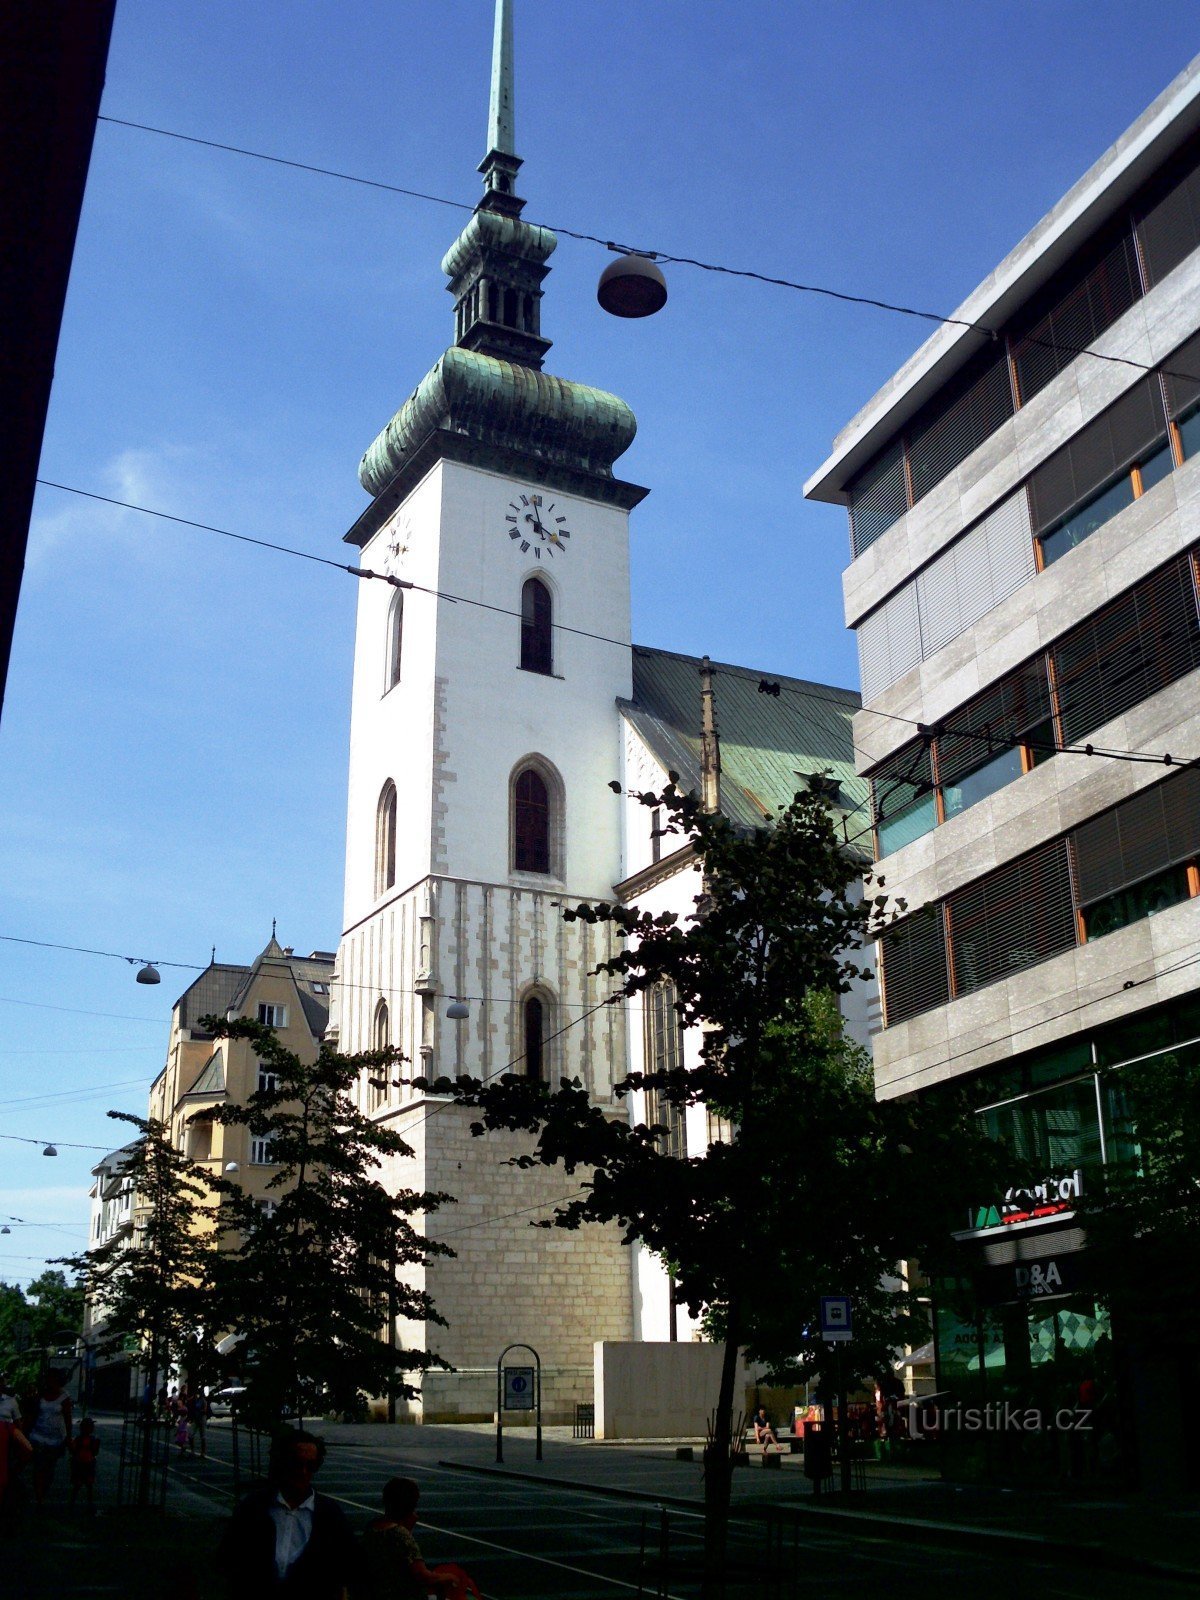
821, 291
562, 627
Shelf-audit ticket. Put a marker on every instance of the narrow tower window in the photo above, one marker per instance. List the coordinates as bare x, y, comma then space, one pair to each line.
510, 308
531, 823
535, 1038
536, 627
385, 839
491, 302
378, 1078
395, 634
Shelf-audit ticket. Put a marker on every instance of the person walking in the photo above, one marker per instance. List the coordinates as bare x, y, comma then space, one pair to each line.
49, 1432
83, 1463
286, 1540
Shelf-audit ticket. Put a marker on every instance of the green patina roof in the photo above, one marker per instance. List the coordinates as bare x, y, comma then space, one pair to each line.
489, 230
767, 743
500, 403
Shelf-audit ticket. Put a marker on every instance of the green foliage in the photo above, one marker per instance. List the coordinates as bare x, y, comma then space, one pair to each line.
35, 1318
152, 1288
309, 1285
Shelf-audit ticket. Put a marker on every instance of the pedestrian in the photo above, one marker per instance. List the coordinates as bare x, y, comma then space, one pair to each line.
198, 1414
10, 1406
764, 1433
83, 1462
286, 1539
49, 1432
15, 1451
393, 1567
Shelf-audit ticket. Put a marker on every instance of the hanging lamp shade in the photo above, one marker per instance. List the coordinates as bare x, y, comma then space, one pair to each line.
5, 1229
632, 286
148, 974
49, 1151
458, 1010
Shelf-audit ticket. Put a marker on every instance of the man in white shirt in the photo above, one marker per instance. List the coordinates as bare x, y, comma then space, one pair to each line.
286, 1539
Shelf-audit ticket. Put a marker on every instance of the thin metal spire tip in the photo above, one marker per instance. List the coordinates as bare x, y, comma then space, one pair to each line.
501, 132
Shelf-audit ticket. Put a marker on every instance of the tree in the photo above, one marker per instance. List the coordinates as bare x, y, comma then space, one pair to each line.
32, 1321
153, 1289
818, 1188
310, 1278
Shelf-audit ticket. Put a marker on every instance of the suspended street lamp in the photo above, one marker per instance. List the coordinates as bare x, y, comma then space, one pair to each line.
632, 286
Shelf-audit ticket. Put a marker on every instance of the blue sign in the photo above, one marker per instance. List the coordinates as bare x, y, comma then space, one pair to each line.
836, 1322
518, 1388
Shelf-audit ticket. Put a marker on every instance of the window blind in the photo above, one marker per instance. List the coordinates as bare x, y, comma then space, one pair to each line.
1169, 230
1147, 638
968, 411
1154, 830
878, 497
1087, 298
1005, 711
901, 779
889, 642
912, 958
1182, 377
1012, 918
1097, 454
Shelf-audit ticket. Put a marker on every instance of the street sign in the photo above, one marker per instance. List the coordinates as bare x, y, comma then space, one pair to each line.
836, 1324
518, 1389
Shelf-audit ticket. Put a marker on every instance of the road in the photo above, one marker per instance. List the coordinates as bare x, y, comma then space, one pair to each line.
523, 1540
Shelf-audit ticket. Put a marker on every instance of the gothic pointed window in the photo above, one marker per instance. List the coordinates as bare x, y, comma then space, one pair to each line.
663, 1052
531, 823
537, 628
378, 1078
395, 634
533, 1019
385, 839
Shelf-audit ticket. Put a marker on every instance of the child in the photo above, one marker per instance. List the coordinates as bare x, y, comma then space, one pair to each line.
393, 1567
83, 1461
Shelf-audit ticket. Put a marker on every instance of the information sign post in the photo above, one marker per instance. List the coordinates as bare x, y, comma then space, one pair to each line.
518, 1389
837, 1327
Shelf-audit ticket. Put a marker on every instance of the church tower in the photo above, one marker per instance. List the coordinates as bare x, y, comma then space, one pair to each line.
484, 736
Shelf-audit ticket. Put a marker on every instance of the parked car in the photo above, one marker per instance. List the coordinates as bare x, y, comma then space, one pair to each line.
225, 1402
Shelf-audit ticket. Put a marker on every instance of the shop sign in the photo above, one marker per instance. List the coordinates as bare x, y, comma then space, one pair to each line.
1055, 1196
1030, 1280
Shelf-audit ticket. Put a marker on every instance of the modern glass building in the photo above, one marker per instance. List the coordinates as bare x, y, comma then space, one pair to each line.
1024, 504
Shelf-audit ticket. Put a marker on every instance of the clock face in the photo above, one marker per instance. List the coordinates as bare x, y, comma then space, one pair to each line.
398, 545
535, 524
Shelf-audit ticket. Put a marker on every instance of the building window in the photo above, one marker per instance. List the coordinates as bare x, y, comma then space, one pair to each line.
656, 834
663, 1046
268, 1082
537, 630
534, 1030
385, 839
393, 641
260, 1151
379, 1041
537, 819
273, 1016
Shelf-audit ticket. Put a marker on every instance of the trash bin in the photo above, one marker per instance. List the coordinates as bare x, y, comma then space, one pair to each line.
817, 1460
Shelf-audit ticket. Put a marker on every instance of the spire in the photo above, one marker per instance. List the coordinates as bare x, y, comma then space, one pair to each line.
500, 126
499, 166
710, 743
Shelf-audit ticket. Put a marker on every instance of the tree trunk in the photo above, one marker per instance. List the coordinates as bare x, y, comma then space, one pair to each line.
718, 1467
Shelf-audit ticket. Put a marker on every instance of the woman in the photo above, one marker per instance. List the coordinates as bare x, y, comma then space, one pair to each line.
764, 1433
49, 1433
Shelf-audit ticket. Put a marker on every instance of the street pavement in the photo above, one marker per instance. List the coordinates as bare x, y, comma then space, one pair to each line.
589, 1521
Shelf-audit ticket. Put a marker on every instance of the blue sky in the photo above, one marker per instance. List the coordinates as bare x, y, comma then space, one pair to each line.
172, 753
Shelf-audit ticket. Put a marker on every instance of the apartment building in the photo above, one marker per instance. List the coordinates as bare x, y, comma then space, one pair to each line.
1024, 502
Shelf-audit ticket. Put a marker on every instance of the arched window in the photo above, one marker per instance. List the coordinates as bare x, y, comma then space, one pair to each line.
533, 1022
379, 1041
510, 308
663, 1044
491, 302
537, 630
395, 634
385, 839
531, 823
